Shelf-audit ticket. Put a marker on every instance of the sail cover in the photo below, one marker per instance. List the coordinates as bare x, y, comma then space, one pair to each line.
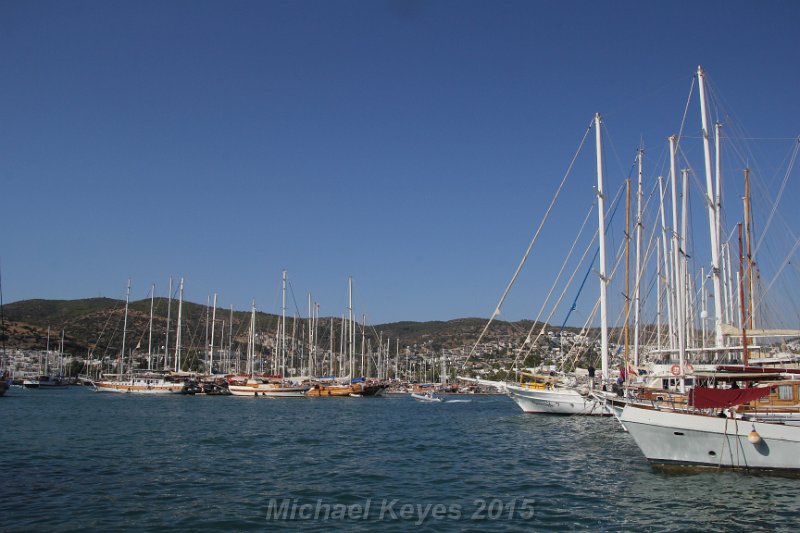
705, 398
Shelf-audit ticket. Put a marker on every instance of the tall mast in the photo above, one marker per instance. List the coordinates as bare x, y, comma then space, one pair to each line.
213, 327
703, 308
178, 329
685, 288
230, 342
625, 327
332, 350
718, 188
47, 355
205, 349
283, 324
741, 298
602, 240
310, 335
666, 272
251, 341
712, 215
150, 337
169, 312
658, 296
363, 342
125, 327
636, 295
61, 355
678, 285
351, 329
747, 227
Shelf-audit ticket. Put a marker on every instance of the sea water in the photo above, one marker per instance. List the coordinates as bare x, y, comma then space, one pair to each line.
74, 459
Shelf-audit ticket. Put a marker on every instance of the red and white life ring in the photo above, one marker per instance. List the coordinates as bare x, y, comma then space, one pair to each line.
675, 370
689, 368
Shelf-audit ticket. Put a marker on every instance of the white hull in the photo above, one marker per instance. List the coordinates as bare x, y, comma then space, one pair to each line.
425, 398
679, 438
557, 401
267, 390
139, 387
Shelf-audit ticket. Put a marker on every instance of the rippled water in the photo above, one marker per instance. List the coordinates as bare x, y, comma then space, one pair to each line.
75, 460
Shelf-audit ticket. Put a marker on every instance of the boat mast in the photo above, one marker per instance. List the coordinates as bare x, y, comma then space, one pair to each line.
332, 350
213, 327
47, 355
747, 229
667, 277
685, 286
741, 298
310, 336
363, 343
251, 341
150, 337
178, 329
61, 355
677, 285
169, 312
283, 325
602, 240
638, 279
230, 342
351, 329
625, 327
205, 347
658, 296
125, 328
712, 215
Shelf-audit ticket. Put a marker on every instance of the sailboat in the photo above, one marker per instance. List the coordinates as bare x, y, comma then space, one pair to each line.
561, 394
330, 387
755, 427
45, 379
255, 386
147, 383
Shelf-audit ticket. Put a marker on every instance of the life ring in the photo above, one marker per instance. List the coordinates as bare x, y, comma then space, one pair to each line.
675, 370
689, 368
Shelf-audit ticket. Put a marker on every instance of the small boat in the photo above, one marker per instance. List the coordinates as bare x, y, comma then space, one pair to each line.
256, 387
146, 384
44, 382
425, 397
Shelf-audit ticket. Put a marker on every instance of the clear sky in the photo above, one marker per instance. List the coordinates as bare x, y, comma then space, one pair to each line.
411, 144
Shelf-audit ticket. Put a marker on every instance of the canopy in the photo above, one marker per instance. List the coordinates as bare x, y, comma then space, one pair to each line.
705, 398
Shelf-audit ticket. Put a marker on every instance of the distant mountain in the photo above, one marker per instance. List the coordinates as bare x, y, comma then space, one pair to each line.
97, 324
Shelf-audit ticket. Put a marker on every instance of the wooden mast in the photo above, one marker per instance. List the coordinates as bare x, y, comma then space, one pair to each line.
741, 298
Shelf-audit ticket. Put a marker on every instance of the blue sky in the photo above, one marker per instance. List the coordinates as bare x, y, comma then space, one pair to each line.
411, 144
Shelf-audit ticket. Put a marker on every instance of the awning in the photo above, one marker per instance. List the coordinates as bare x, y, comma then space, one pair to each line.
705, 398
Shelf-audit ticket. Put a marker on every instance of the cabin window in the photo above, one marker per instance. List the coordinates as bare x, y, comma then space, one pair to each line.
785, 392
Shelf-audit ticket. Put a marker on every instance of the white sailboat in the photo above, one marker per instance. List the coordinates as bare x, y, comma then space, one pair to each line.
554, 395
149, 383
719, 427
255, 386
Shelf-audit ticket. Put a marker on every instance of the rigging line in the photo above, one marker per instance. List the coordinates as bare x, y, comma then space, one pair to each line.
778, 197
580, 289
615, 204
530, 246
597, 251
555, 283
763, 294
647, 254
561, 271
685, 113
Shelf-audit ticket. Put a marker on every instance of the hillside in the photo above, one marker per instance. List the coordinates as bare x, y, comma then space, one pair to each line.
97, 324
